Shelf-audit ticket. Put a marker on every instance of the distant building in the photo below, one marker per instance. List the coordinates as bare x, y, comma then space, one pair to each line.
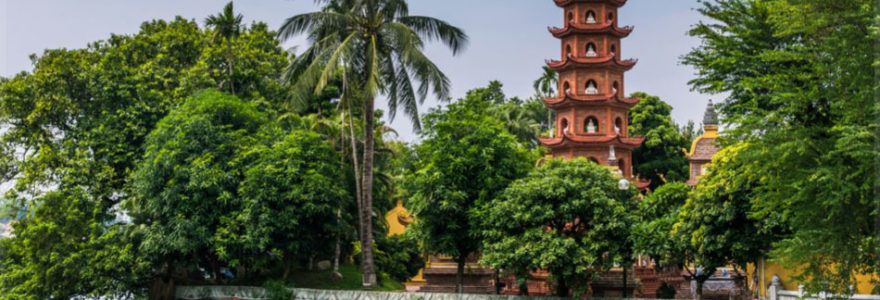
704, 147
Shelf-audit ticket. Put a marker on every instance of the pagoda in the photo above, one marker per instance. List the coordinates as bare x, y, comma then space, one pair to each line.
591, 109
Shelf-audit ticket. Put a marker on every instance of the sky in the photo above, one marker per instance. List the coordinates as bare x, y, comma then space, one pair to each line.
509, 40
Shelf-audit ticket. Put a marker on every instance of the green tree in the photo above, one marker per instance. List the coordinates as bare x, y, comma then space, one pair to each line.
721, 213
77, 124
227, 25
660, 158
566, 217
378, 45
186, 189
545, 85
465, 159
802, 103
291, 194
69, 252
658, 212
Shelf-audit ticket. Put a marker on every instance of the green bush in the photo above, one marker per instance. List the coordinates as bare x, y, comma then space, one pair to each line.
277, 290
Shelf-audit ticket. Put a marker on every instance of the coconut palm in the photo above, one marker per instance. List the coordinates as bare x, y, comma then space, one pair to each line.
226, 25
546, 84
378, 45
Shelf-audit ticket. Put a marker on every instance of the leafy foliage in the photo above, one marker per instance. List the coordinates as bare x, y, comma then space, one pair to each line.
291, 195
720, 214
566, 217
660, 158
524, 119
68, 253
76, 126
186, 187
466, 158
658, 213
802, 107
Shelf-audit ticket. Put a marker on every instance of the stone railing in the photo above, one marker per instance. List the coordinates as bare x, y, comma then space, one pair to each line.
776, 292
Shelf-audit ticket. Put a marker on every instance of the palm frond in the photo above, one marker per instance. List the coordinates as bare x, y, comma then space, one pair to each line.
306, 23
435, 29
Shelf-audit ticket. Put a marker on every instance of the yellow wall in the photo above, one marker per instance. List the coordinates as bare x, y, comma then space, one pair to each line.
766, 270
394, 226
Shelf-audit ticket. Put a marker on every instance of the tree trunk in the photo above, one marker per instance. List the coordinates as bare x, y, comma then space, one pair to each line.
624, 281
229, 64
367, 267
337, 251
699, 295
459, 274
561, 288
286, 274
523, 282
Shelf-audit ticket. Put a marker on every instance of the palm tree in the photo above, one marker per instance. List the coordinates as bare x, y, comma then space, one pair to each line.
546, 84
227, 25
378, 45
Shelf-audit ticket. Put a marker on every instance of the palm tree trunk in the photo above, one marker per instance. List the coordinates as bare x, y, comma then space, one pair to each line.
229, 64
367, 267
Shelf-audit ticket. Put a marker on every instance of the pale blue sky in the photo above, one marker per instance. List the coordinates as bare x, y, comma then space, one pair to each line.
509, 38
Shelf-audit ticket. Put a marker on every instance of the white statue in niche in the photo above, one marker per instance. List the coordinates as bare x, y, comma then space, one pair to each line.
591, 88
591, 126
617, 129
591, 50
611, 154
591, 18
565, 129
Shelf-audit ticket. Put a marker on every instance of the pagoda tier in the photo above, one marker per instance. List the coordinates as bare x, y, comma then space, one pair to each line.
604, 99
577, 28
610, 62
569, 140
564, 3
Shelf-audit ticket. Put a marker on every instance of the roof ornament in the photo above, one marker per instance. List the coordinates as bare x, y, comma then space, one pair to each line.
710, 118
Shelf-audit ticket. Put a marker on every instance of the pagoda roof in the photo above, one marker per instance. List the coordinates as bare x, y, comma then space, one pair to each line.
607, 61
610, 98
592, 140
616, 3
642, 184
703, 149
578, 28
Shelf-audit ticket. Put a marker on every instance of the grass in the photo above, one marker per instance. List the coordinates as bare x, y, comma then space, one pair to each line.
351, 280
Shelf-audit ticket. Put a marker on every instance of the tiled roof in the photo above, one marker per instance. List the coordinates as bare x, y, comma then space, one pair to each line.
704, 150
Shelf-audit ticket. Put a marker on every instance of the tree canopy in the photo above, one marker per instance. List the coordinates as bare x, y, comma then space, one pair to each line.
566, 217
75, 128
660, 158
465, 159
802, 110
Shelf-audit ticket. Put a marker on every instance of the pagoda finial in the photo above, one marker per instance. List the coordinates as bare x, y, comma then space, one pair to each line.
710, 118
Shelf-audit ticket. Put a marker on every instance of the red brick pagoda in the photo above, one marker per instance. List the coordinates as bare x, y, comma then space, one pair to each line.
591, 110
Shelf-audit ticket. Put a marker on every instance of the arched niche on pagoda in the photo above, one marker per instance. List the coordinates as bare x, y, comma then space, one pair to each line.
591, 125
591, 17
590, 50
591, 87
564, 127
618, 126
566, 88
